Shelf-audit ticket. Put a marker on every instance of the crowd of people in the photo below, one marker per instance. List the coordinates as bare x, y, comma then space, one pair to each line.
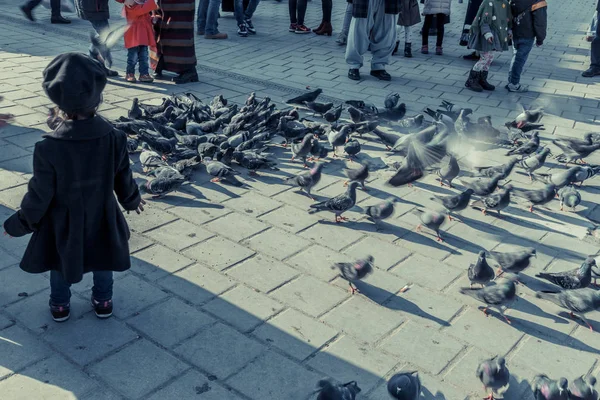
161, 33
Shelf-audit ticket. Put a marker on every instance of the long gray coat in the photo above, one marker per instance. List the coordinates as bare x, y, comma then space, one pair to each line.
437, 7
409, 13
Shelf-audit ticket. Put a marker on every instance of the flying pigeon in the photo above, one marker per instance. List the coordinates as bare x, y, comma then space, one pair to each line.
306, 180
405, 386
493, 374
577, 278
338, 204
330, 391
531, 116
545, 388
355, 271
569, 196
103, 42
480, 272
497, 296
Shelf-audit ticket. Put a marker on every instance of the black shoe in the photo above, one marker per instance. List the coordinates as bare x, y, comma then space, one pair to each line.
354, 74
186, 77
473, 82
111, 72
396, 48
591, 72
103, 309
158, 75
242, 30
59, 20
27, 11
408, 50
381, 74
60, 313
250, 27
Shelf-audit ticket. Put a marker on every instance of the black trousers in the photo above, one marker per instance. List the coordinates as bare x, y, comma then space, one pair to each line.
327, 6
54, 6
440, 19
297, 11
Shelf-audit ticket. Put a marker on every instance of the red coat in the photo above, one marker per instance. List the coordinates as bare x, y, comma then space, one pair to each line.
140, 32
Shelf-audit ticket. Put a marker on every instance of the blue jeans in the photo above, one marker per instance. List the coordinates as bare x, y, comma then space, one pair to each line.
240, 15
135, 55
595, 51
99, 26
521, 49
60, 292
208, 15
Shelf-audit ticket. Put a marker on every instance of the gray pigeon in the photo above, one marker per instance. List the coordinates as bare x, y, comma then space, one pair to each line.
496, 201
411, 122
339, 138
586, 172
578, 302
497, 296
334, 114
150, 159
306, 180
432, 220
220, 171
534, 161
482, 186
573, 152
531, 116
504, 170
161, 186
308, 96
338, 204
454, 203
493, 374
562, 178
538, 197
569, 196
352, 148
577, 278
355, 271
545, 388
405, 386
359, 175
381, 211
583, 389
391, 100
302, 149
447, 172
166, 172
513, 262
480, 272
528, 147
330, 391
318, 108
132, 144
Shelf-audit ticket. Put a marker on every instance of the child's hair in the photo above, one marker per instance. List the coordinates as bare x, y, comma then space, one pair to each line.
56, 116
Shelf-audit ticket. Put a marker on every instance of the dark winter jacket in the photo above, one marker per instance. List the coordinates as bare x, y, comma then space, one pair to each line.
92, 10
70, 205
528, 23
360, 8
409, 13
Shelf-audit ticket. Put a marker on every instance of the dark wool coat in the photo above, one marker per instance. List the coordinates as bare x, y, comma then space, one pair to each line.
92, 10
360, 8
70, 206
529, 23
409, 13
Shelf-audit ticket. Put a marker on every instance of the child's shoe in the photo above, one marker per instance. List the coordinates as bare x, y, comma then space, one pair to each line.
103, 309
473, 82
483, 82
130, 78
60, 313
439, 51
146, 78
425, 50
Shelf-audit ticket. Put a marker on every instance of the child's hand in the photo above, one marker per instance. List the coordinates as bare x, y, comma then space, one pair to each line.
140, 208
491, 39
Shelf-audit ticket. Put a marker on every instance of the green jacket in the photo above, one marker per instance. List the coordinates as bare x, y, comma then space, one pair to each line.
493, 18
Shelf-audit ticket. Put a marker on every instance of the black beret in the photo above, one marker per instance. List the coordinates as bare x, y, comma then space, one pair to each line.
74, 82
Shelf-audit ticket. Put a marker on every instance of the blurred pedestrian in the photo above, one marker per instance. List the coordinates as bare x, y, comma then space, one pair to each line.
297, 10
55, 18
208, 19
441, 10
342, 38
325, 27
594, 68
409, 15
472, 8
244, 18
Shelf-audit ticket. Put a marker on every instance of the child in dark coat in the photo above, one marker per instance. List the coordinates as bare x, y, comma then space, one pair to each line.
70, 206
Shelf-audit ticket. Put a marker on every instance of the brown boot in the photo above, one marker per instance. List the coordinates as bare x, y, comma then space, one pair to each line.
315, 30
327, 29
473, 82
220, 35
483, 81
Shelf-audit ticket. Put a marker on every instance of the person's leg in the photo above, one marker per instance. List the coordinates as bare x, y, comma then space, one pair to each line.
302, 4
595, 51
238, 11
99, 26
103, 285
132, 57
383, 38
293, 6
440, 30
358, 42
201, 16
60, 292
252, 6
483, 73
521, 50
343, 35
56, 18
143, 60
327, 6
484, 62
212, 17
425, 32
408, 41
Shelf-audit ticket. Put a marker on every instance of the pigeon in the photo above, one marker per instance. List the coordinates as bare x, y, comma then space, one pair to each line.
497, 296
381, 211
573, 152
338, 204
583, 389
454, 203
528, 147
103, 42
419, 157
411, 122
513, 262
482, 186
166, 172
504, 170
391, 100
390, 140
480, 272
577, 278
534, 161
569, 196
330, 391
306, 180
448, 171
497, 201
359, 175
545, 388
563, 178
207, 150
132, 144
161, 186
355, 271
225, 156
186, 167
432, 220
538, 196
150, 159
317, 151
220, 171
352, 148
493, 374
462, 123
586, 172
393, 114
291, 129
578, 302
318, 108
356, 115
366, 126
405, 386
333, 114
158, 143
135, 111
253, 160
531, 116
339, 138
309, 96
302, 149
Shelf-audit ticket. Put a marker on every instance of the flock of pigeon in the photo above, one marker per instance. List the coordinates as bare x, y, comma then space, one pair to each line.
183, 133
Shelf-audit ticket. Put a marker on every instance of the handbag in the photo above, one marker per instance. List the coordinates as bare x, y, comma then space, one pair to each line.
65, 5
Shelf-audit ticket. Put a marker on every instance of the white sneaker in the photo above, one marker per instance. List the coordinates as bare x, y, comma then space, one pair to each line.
516, 88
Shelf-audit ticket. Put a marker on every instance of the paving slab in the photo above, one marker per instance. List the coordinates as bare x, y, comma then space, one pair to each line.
277, 243
191, 386
218, 253
16, 282
157, 261
310, 295
19, 349
262, 273
179, 234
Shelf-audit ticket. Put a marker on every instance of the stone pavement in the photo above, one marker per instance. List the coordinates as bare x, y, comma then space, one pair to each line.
231, 296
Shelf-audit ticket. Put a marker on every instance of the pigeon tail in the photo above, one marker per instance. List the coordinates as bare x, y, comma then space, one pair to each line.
550, 296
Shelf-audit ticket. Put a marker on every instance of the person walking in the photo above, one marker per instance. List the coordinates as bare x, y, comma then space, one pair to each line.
530, 20
472, 8
373, 27
409, 15
297, 10
342, 38
440, 9
594, 69
490, 33
55, 18
207, 19
70, 205
244, 18
325, 27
